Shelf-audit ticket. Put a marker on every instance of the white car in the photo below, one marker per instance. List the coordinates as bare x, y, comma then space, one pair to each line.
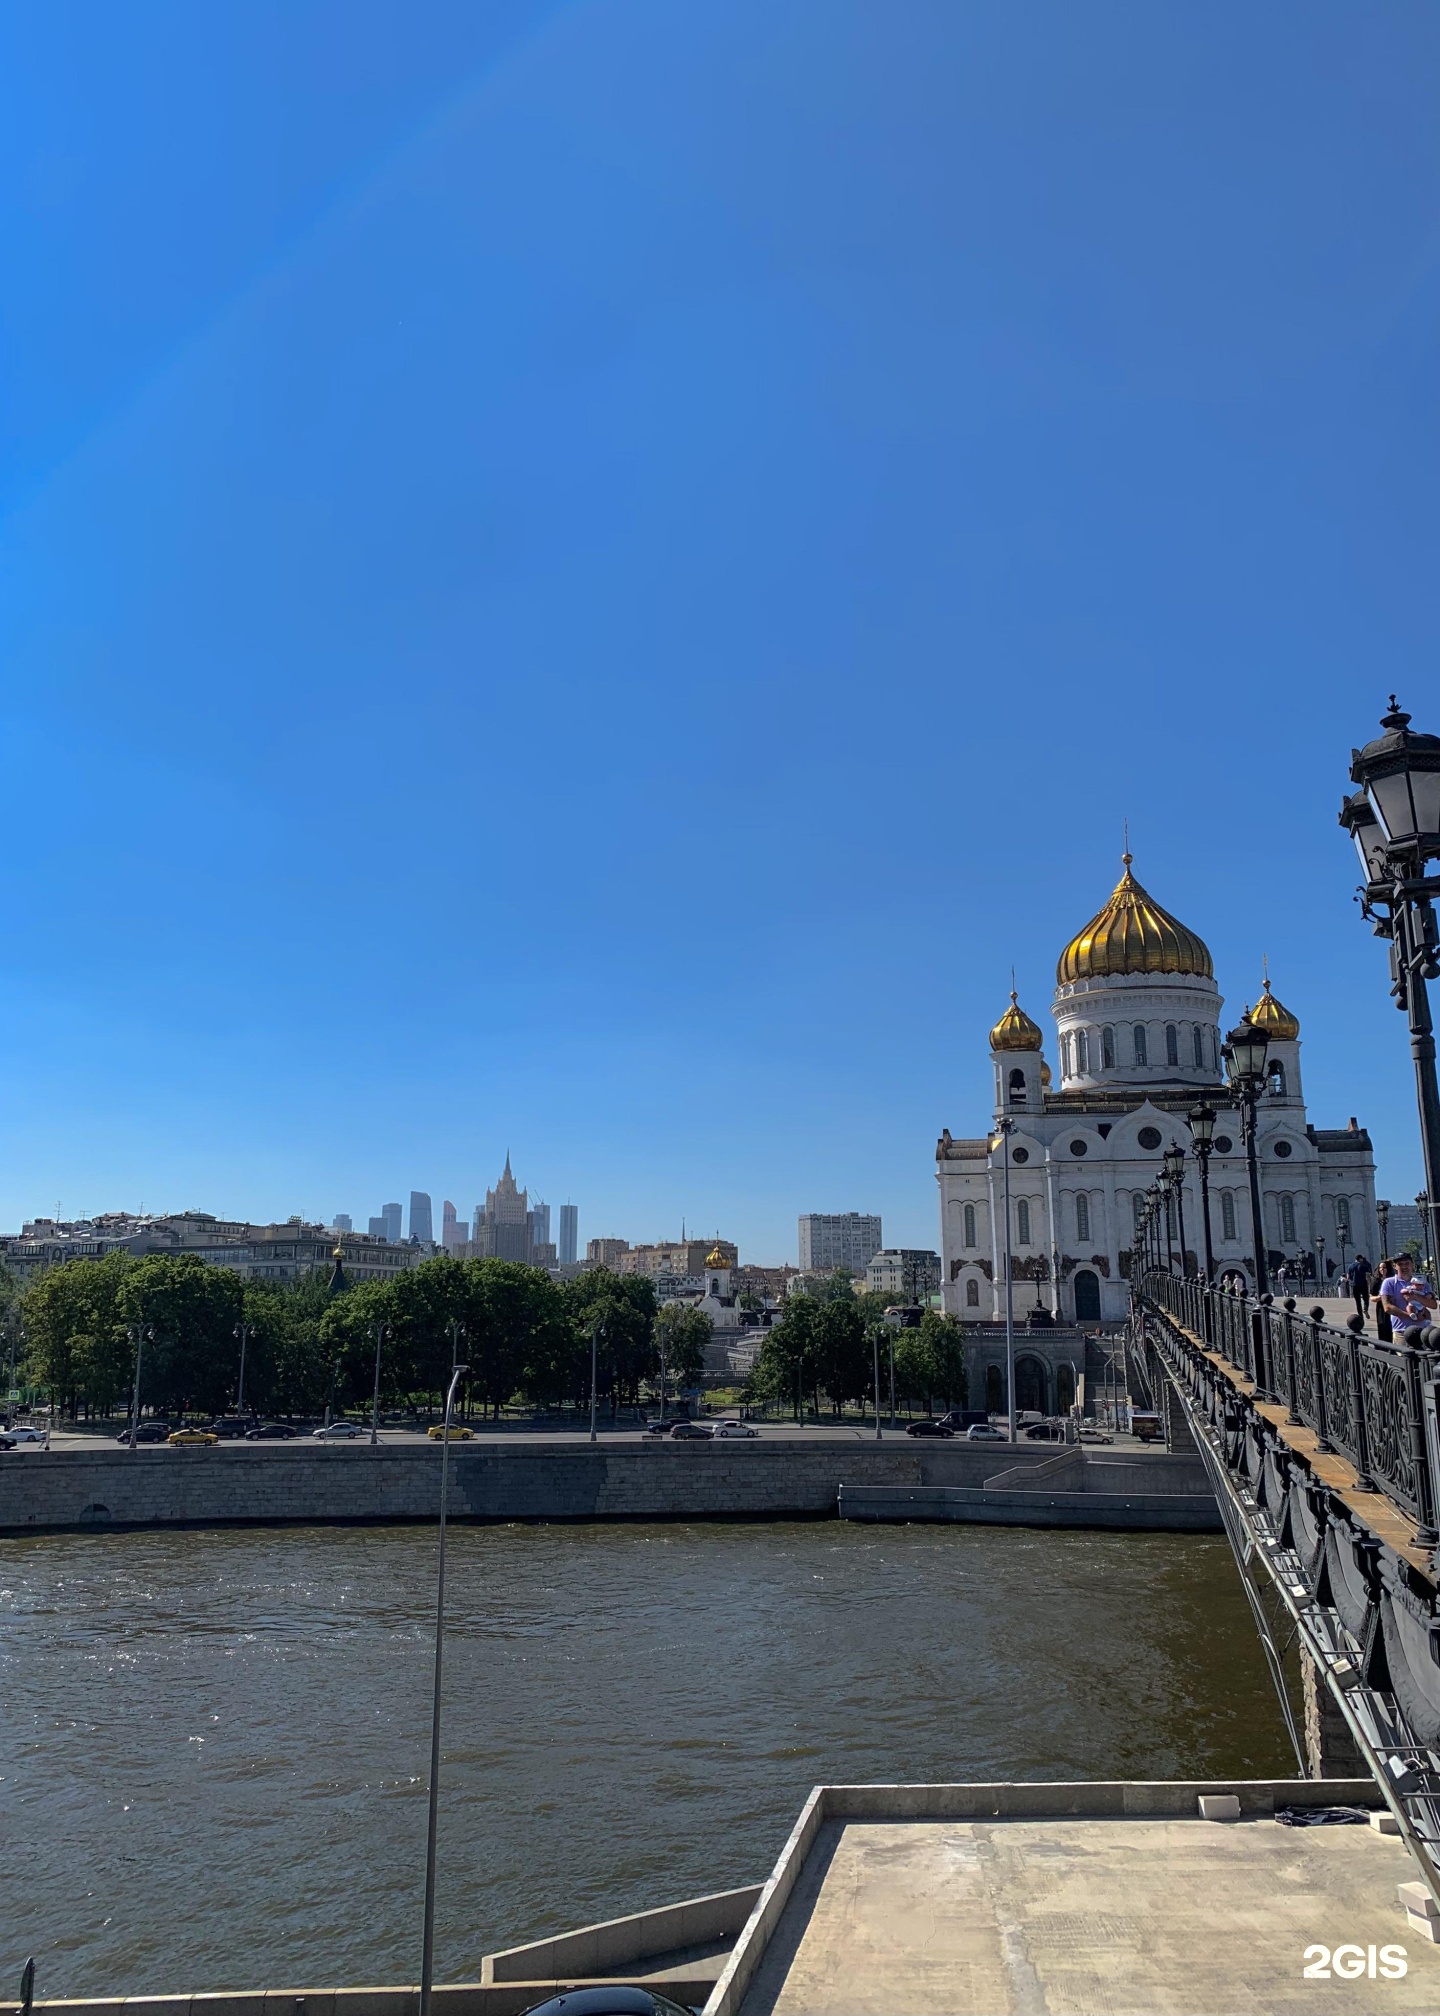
18, 1435
734, 1431
338, 1431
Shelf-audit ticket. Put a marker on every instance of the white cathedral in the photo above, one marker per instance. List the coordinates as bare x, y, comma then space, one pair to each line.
1137, 1016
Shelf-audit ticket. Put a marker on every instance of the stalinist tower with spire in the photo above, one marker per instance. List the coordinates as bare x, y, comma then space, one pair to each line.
1137, 1019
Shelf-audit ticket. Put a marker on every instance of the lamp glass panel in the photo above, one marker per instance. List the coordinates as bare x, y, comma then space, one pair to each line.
1394, 806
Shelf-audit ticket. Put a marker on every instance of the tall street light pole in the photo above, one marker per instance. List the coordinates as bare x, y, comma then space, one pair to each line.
1175, 1170
1394, 820
244, 1331
379, 1331
875, 1346
140, 1335
427, 1948
1005, 1127
1202, 1135
597, 1331
1244, 1053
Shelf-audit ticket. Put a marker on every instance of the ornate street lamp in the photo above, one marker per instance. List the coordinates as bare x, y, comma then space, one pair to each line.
1244, 1055
1174, 1160
1202, 1137
1382, 1214
1394, 820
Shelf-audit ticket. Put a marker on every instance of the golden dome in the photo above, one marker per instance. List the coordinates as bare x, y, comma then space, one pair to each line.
1274, 1017
1132, 934
1045, 1076
1015, 1030
715, 1258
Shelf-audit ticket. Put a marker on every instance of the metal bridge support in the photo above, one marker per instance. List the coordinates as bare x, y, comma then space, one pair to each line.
1330, 1749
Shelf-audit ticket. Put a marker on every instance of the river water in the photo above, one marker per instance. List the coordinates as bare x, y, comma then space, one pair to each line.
213, 1745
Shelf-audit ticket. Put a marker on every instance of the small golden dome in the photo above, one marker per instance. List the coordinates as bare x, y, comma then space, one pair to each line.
1045, 1076
1274, 1017
715, 1258
1132, 934
1015, 1030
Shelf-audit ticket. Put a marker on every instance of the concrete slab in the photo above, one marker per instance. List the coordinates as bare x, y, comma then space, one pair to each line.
1067, 1917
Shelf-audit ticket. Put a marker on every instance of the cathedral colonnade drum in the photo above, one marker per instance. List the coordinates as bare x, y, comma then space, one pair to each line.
1137, 1042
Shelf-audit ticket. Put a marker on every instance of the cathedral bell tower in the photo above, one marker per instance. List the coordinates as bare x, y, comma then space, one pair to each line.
1019, 1068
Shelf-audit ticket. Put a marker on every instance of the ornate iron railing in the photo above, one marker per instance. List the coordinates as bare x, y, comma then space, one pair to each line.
1364, 1399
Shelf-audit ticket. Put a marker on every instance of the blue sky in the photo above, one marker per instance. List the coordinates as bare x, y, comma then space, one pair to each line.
585, 578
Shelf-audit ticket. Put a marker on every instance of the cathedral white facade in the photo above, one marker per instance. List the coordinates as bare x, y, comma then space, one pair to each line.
1137, 1025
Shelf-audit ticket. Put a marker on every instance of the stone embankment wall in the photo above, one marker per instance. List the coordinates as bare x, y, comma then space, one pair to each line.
552, 1480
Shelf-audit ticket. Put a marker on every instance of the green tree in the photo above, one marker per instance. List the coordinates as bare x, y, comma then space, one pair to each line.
77, 1346
624, 1304
682, 1333
843, 1353
194, 1358
347, 1340
517, 1327
785, 1365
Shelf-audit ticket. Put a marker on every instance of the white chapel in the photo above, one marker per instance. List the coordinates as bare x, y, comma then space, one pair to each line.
1137, 1022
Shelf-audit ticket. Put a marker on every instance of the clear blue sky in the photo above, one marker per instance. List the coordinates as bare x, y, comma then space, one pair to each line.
584, 578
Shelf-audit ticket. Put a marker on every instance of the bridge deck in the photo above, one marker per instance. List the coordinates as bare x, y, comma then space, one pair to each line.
1372, 1508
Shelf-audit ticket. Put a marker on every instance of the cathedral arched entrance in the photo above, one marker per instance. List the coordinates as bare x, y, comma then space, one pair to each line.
994, 1390
1064, 1389
1029, 1386
1087, 1296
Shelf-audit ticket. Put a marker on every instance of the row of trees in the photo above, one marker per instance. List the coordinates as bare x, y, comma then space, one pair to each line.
520, 1333
827, 1345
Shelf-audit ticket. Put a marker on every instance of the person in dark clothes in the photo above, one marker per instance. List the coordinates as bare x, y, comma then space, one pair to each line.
1382, 1314
1360, 1284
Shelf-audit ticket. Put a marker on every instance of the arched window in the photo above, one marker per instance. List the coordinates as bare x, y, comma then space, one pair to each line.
1172, 1044
1142, 1052
1287, 1219
972, 1293
969, 1224
1022, 1221
1199, 1035
1107, 1049
1065, 1057
1227, 1214
1082, 1215
1017, 1087
1276, 1074
1082, 1051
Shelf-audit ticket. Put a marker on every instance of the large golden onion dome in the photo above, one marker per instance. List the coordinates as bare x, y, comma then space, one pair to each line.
1274, 1017
715, 1258
1015, 1030
1132, 934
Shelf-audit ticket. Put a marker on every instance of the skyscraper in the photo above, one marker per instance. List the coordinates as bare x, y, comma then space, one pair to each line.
452, 1227
502, 1230
420, 1217
539, 1220
569, 1234
391, 1215
341, 1222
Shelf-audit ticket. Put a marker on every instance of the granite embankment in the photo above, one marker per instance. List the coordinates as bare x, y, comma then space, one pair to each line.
776, 1478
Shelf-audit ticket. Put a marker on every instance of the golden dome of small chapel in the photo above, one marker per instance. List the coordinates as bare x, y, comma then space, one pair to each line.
1274, 1017
1015, 1030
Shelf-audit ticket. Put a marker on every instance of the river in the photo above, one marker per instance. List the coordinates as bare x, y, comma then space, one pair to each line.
215, 1743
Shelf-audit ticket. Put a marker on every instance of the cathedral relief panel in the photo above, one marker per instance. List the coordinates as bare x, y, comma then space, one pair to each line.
1099, 1261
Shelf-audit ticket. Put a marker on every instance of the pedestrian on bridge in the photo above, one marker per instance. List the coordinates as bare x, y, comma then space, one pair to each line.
1408, 1299
1360, 1285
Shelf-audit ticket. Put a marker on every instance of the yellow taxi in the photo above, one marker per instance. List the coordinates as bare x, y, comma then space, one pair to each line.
457, 1433
184, 1437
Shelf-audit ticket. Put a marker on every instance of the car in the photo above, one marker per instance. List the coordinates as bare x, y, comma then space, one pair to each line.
981, 1433
6, 1441
966, 1417
232, 1427
26, 1434
608, 2001
270, 1431
192, 1438
1045, 1431
1093, 1435
690, 1431
657, 1427
338, 1431
936, 1428
734, 1431
458, 1432
148, 1431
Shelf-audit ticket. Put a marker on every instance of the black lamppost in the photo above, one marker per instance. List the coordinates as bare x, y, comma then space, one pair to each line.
1382, 1214
1394, 820
1162, 1207
1202, 1135
1244, 1054
244, 1331
1174, 1159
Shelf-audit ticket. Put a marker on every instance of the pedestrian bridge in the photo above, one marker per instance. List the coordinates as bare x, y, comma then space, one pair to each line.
1323, 1447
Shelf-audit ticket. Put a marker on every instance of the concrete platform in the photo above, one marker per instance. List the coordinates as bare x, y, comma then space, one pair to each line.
1118, 1899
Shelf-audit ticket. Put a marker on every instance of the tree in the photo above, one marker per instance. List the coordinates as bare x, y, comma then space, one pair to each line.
77, 1344
785, 1366
516, 1324
682, 1333
624, 1305
347, 1340
930, 1360
194, 1357
843, 1356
